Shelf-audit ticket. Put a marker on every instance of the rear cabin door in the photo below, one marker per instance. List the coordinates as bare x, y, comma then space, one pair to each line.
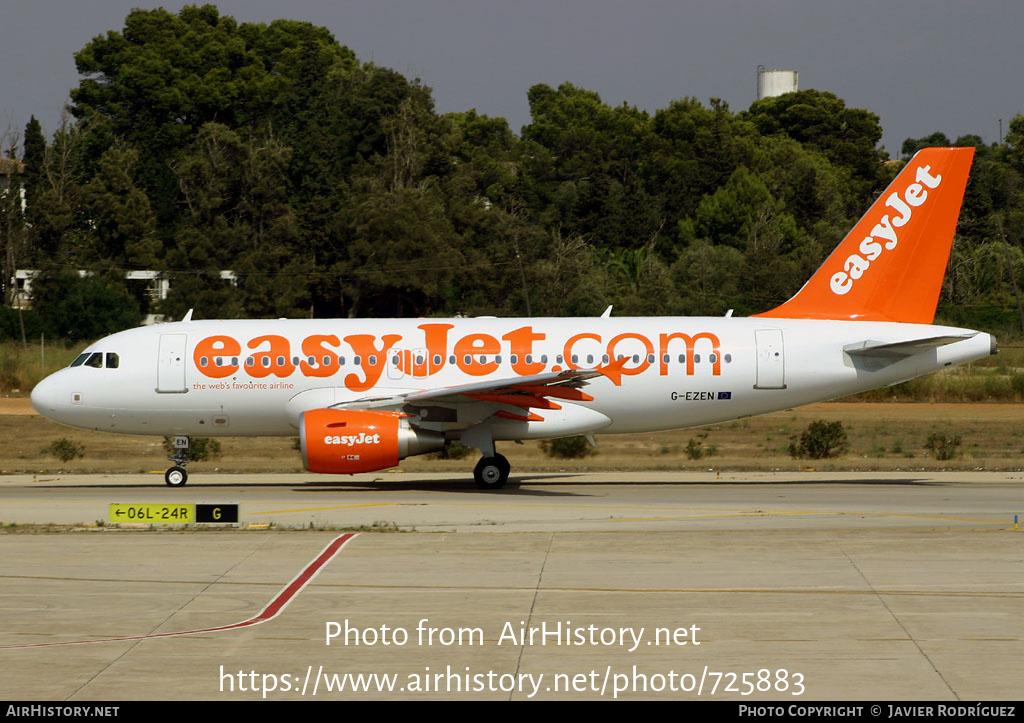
771, 359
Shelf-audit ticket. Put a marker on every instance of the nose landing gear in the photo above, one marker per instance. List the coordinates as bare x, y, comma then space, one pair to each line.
176, 476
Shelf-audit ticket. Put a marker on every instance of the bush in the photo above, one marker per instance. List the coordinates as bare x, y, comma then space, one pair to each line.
567, 447
820, 440
695, 448
943, 446
65, 450
452, 449
200, 448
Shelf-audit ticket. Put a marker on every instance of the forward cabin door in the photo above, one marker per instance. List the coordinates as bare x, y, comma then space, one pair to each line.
170, 371
771, 359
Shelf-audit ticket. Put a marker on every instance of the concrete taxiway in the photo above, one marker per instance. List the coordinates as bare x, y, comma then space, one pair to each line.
830, 585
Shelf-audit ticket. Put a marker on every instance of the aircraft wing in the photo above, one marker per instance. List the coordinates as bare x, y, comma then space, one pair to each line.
536, 391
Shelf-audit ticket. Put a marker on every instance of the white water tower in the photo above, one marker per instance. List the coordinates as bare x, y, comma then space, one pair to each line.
771, 83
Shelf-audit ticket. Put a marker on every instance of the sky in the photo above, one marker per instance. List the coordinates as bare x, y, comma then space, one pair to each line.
921, 65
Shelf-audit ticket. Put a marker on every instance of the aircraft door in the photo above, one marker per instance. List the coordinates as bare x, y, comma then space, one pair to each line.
396, 363
771, 359
170, 375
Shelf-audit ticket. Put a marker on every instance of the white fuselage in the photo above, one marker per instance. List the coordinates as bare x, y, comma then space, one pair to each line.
257, 376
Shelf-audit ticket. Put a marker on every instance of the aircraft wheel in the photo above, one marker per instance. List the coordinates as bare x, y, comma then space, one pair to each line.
491, 473
176, 477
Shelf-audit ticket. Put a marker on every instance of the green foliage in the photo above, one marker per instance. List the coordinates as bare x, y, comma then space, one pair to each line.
567, 448
77, 307
65, 449
332, 188
453, 449
943, 446
695, 448
913, 145
820, 440
200, 449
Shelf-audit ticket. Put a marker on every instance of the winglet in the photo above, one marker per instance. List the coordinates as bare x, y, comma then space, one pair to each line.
891, 265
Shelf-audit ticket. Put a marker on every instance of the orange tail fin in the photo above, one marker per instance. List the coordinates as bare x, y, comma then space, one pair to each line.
890, 266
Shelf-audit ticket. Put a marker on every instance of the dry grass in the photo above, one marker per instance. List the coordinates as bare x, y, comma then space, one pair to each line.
22, 366
883, 436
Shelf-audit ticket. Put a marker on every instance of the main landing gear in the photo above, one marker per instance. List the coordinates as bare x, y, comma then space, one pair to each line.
492, 470
491, 473
176, 476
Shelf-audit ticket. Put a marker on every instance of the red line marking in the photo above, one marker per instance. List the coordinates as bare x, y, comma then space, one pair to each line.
271, 611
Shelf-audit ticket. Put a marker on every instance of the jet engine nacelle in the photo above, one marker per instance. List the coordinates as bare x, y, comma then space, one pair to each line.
343, 441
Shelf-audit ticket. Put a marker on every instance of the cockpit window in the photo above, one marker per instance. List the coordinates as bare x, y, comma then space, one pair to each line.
112, 360
95, 360
80, 360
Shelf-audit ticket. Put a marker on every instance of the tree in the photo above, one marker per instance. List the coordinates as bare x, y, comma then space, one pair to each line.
12, 222
77, 307
121, 221
913, 145
35, 159
820, 120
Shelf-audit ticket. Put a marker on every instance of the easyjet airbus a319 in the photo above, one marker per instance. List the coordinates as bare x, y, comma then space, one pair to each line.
363, 394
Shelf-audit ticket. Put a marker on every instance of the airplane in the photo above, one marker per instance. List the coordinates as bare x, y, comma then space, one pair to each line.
362, 394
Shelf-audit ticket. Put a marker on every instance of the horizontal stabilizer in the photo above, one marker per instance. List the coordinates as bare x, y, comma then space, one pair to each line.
878, 354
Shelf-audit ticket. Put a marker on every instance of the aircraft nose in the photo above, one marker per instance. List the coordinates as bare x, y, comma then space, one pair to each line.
46, 396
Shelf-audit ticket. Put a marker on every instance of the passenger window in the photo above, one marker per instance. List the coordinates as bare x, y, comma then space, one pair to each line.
373, 360
650, 358
728, 358
80, 360
437, 359
712, 358
112, 360
95, 360
696, 358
